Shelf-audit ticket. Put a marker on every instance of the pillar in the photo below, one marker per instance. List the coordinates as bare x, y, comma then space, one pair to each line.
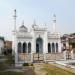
27, 48
55, 47
21, 47
64, 54
72, 54
51, 47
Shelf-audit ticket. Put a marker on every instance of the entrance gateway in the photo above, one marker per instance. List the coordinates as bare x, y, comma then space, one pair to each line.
39, 45
38, 56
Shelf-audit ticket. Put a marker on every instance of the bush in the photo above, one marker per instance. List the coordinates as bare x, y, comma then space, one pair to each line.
2, 66
32, 64
25, 64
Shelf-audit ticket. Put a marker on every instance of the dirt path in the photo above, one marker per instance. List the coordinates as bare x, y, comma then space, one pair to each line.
38, 69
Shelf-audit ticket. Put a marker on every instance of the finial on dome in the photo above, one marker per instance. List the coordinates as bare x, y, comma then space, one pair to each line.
23, 22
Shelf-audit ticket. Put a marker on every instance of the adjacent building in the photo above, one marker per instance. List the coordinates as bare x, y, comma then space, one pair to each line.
1, 45
8, 47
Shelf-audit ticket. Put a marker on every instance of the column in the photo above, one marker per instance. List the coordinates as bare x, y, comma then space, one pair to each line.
21, 47
55, 47
64, 53
45, 43
31, 53
51, 47
33, 46
59, 47
27, 48
31, 57
72, 54
16, 53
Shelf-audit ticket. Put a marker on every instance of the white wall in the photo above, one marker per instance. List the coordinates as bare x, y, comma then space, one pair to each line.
1, 46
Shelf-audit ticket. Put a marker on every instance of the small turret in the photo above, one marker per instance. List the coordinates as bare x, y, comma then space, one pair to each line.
54, 23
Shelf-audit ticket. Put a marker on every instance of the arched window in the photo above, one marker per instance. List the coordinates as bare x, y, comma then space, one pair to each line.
24, 47
19, 47
49, 48
56, 47
29, 47
53, 47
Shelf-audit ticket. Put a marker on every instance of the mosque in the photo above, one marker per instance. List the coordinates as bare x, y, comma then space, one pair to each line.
33, 45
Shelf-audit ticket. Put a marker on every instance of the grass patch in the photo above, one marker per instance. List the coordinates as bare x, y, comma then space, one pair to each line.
2, 66
8, 64
10, 59
27, 72
53, 70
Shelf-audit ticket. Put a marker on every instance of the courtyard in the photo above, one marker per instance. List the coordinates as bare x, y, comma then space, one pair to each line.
35, 69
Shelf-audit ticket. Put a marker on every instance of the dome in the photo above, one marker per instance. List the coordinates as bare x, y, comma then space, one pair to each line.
23, 28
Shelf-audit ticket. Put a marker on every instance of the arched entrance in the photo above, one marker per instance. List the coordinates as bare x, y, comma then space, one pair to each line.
56, 47
29, 47
38, 56
53, 48
49, 48
39, 45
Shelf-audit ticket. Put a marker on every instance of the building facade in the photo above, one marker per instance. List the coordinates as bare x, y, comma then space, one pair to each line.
36, 43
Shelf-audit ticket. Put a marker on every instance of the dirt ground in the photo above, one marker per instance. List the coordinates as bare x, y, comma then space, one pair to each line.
30, 72
39, 69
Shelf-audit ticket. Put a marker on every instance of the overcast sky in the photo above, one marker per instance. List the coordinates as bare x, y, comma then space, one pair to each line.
40, 10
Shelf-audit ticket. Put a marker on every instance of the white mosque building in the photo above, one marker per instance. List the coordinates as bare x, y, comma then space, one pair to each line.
36, 43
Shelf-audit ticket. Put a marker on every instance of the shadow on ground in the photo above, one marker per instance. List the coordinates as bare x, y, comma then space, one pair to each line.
26, 72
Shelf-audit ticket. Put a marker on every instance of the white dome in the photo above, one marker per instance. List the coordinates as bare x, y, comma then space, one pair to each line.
23, 28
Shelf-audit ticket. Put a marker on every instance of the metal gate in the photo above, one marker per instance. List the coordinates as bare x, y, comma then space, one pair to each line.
38, 58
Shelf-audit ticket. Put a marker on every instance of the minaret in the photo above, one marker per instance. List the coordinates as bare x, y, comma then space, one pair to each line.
34, 24
54, 23
15, 20
14, 33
